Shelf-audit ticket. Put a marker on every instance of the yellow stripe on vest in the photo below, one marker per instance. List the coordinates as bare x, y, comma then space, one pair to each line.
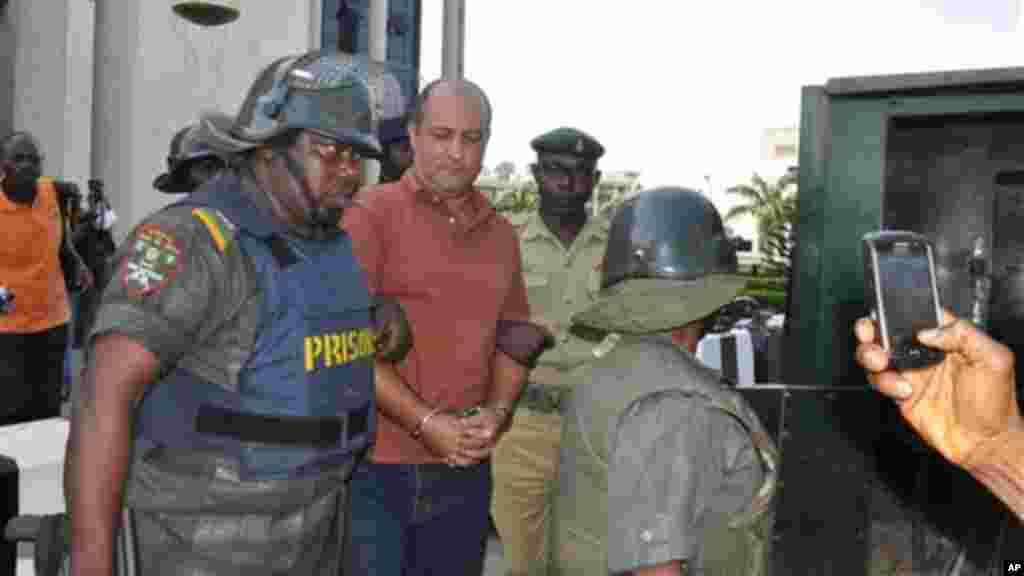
213, 226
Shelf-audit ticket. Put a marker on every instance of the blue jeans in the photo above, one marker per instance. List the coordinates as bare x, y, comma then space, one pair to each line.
418, 519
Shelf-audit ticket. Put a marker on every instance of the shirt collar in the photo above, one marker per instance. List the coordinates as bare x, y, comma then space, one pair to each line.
481, 209
595, 228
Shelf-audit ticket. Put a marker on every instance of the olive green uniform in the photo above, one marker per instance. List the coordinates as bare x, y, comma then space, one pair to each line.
659, 463
560, 281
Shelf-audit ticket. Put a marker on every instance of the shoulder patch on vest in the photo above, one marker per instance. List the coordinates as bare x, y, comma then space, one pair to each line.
153, 260
221, 229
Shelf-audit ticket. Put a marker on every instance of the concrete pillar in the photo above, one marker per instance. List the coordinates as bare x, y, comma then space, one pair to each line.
156, 72
7, 85
47, 84
378, 30
377, 42
78, 92
453, 40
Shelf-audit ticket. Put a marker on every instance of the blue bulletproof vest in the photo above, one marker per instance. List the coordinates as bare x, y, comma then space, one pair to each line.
305, 396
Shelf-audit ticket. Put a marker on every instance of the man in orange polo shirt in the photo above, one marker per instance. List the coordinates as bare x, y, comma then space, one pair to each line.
419, 505
34, 332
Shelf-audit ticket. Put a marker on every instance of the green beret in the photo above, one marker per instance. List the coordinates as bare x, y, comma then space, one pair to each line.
568, 141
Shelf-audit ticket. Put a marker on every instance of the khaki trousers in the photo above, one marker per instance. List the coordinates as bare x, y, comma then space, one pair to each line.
525, 467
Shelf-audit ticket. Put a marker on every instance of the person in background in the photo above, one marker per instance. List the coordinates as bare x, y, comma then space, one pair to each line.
562, 247
38, 265
190, 163
397, 151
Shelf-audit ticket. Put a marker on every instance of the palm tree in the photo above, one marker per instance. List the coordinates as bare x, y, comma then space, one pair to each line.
521, 197
773, 206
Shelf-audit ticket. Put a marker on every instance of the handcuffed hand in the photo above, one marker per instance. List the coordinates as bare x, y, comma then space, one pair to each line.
445, 434
957, 404
482, 432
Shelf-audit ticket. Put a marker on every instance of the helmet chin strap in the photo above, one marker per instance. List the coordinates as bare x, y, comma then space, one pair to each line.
322, 221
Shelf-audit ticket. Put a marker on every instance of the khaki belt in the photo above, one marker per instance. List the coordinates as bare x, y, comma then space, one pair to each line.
544, 398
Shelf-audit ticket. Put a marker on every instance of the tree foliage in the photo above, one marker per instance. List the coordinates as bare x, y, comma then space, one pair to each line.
773, 207
505, 170
520, 198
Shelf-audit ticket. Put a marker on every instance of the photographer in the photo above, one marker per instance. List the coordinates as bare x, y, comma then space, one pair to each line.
37, 264
93, 240
965, 407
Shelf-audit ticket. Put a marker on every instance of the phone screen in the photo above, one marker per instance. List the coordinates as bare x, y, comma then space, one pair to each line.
907, 294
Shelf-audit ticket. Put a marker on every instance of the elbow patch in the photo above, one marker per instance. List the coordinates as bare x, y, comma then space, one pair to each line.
523, 342
392, 335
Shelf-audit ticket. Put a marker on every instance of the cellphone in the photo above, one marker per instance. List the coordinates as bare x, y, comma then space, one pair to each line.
899, 271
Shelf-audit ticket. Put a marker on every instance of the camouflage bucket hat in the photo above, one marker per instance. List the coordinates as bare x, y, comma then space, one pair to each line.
328, 93
644, 305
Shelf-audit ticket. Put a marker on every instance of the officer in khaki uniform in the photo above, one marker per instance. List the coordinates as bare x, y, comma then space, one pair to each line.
561, 249
663, 469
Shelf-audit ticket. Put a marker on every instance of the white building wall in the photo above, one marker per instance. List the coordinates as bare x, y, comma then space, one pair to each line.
113, 117
76, 136
778, 155
158, 72
42, 60
7, 46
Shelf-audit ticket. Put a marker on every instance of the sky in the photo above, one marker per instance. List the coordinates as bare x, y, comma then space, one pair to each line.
682, 91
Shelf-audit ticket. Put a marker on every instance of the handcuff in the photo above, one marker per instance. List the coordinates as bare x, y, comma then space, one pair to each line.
502, 412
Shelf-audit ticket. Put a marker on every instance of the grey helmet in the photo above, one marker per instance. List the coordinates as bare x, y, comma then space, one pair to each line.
187, 148
324, 92
668, 262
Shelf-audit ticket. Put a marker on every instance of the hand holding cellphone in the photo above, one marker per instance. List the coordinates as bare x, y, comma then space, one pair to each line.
899, 272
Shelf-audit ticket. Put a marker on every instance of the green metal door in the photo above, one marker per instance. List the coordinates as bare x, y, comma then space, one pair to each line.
844, 133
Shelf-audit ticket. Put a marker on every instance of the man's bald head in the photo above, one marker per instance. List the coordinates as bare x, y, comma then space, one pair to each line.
452, 87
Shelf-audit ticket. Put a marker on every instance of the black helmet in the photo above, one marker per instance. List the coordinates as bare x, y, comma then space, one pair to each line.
186, 149
668, 262
328, 93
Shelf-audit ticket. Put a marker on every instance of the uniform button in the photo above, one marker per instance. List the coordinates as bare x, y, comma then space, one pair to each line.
451, 219
646, 536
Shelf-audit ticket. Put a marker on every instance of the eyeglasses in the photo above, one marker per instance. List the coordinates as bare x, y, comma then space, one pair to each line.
333, 153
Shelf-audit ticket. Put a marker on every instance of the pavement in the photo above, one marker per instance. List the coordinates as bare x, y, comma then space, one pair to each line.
492, 566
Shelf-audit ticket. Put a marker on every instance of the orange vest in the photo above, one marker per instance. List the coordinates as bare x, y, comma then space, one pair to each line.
29, 262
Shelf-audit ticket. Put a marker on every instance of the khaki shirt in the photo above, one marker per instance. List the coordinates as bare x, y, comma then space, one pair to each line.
561, 281
651, 464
